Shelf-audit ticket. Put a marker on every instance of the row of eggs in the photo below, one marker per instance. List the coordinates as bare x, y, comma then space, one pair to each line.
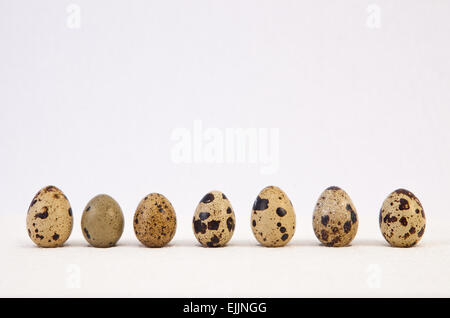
335, 220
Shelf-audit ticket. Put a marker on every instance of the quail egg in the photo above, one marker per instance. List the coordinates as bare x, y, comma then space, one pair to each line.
402, 219
102, 221
214, 220
155, 221
335, 221
273, 218
49, 218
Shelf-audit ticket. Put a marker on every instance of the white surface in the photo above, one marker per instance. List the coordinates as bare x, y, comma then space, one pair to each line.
242, 269
94, 109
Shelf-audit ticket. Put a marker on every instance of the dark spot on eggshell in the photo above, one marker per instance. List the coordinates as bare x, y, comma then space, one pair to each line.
254, 223
33, 203
421, 231
224, 197
334, 241
347, 226
281, 212
324, 220
204, 215
230, 224
282, 229
404, 204
278, 224
405, 192
324, 235
403, 221
213, 242
335, 229
208, 198
229, 210
42, 215
39, 236
199, 227
284, 237
412, 230
334, 188
55, 236
260, 204
87, 233
50, 188
29, 233
349, 208
389, 219
213, 225
70, 211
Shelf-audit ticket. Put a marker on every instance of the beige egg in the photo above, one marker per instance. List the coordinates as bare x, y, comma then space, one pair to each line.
102, 221
155, 221
49, 218
335, 221
214, 220
402, 219
273, 218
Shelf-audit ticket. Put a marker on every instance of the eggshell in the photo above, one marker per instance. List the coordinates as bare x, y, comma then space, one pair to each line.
102, 221
335, 220
214, 220
155, 221
273, 218
402, 219
49, 218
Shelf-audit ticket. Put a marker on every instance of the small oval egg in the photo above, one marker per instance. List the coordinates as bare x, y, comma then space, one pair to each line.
214, 220
335, 221
102, 221
49, 218
155, 221
402, 219
273, 218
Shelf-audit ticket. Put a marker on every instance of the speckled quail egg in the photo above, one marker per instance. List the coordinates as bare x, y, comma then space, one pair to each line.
214, 220
155, 221
102, 221
273, 218
49, 218
402, 219
335, 221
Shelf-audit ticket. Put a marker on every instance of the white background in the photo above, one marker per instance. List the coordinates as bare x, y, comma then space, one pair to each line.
92, 110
